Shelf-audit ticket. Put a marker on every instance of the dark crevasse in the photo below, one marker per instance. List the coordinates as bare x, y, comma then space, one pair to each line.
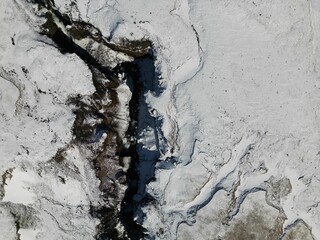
128, 206
149, 136
141, 77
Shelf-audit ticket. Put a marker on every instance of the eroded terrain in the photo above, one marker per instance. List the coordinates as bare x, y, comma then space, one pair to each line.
159, 120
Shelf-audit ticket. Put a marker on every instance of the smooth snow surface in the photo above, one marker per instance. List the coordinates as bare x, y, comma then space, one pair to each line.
239, 115
17, 191
27, 234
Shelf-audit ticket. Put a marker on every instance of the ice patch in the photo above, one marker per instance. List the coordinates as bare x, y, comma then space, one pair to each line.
18, 188
28, 234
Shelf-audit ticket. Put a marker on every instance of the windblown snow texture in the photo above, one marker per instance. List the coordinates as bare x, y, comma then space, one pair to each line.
135, 119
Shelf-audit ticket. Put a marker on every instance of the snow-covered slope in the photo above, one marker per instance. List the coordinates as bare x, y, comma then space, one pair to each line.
226, 130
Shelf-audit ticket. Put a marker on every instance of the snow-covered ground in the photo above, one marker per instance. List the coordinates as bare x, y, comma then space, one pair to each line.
40, 199
239, 120
240, 110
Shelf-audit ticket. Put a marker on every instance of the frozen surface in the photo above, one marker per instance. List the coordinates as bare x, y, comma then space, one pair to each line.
239, 111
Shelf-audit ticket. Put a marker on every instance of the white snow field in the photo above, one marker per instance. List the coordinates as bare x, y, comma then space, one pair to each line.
240, 114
